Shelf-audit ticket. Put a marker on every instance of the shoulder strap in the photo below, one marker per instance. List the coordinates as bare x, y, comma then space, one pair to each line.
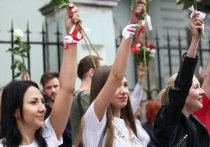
79, 103
102, 137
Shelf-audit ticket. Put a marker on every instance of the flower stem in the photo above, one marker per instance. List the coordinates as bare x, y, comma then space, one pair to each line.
80, 28
83, 32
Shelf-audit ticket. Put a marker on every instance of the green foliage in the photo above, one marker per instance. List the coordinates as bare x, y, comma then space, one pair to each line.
133, 3
147, 6
187, 3
22, 49
60, 3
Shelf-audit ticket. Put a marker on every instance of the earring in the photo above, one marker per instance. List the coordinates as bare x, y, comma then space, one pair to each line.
16, 117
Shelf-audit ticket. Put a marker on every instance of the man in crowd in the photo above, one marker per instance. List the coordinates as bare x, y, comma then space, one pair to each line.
81, 97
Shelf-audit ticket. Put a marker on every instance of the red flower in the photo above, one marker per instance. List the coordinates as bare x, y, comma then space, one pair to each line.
151, 46
134, 49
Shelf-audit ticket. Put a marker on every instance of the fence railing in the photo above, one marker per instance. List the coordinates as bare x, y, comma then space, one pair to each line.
159, 62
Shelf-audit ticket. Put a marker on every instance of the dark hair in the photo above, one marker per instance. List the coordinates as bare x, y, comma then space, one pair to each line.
12, 99
85, 64
99, 79
48, 76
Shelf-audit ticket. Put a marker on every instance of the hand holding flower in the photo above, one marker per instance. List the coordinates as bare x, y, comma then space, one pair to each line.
72, 18
195, 25
137, 11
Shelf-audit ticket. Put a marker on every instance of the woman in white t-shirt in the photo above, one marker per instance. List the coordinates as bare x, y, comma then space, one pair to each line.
22, 112
109, 119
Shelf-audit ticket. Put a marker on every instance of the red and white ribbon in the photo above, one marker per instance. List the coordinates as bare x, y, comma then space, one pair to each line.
129, 30
202, 15
72, 38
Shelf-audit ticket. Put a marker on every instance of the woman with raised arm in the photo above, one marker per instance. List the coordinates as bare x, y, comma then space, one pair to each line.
109, 119
175, 126
23, 111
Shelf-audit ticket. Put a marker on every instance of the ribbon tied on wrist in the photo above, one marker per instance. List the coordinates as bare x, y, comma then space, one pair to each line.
72, 37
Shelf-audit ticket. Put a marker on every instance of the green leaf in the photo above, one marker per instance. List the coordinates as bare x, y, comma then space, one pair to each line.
147, 6
133, 4
178, 2
60, 3
21, 66
13, 66
17, 74
187, 4
63, 5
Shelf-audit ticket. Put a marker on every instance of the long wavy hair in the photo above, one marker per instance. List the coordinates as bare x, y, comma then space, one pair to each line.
12, 99
98, 81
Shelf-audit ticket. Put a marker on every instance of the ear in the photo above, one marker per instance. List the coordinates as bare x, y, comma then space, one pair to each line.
17, 113
91, 72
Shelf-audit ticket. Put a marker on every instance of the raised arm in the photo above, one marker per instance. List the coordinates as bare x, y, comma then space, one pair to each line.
195, 24
206, 81
68, 73
183, 78
138, 90
119, 67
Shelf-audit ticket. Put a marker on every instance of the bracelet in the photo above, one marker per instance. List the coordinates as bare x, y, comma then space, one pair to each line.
129, 30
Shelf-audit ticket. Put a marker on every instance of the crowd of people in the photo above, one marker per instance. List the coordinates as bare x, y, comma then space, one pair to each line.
102, 113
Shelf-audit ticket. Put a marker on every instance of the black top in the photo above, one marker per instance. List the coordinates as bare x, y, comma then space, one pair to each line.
150, 130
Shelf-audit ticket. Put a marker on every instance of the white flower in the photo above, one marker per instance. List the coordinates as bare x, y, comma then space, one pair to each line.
18, 33
153, 51
138, 45
148, 49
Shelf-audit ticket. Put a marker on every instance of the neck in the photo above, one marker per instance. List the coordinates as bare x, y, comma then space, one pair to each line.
187, 110
51, 103
85, 84
27, 133
117, 112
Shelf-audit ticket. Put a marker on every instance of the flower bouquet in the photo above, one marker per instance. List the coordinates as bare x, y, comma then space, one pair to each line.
139, 50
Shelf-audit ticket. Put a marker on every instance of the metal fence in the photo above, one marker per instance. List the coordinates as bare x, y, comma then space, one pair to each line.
168, 48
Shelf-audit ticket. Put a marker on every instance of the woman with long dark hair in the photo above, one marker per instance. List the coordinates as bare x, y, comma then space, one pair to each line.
22, 112
175, 124
109, 119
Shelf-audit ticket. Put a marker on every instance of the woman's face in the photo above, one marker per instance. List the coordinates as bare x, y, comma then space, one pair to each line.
194, 99
120, 97
33, 108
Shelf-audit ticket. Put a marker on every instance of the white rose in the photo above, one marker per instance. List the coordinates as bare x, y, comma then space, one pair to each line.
148, 49
153, 51
18, 33
138, 45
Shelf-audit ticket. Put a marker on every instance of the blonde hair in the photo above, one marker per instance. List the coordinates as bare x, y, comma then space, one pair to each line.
163, 95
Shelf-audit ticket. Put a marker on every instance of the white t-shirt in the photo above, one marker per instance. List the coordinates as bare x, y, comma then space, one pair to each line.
142, 134
49, 135
93, 129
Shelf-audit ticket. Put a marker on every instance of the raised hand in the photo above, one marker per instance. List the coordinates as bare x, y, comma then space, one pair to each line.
137, 11
141, 71
72, 17
196, 24
25, 76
